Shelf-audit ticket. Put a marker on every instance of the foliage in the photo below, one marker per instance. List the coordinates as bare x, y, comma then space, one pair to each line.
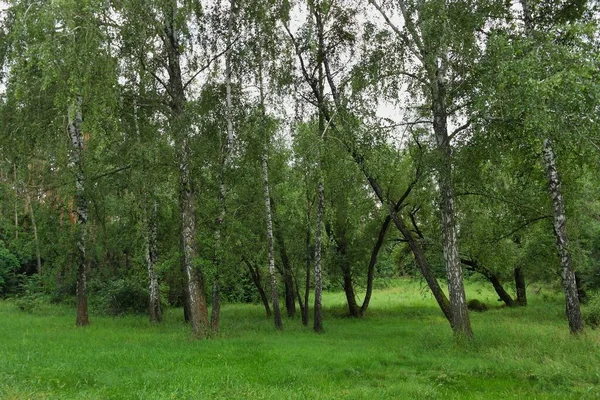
591, 313
119, 297
9, 265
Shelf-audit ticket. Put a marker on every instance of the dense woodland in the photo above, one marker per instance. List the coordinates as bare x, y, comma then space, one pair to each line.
192, 153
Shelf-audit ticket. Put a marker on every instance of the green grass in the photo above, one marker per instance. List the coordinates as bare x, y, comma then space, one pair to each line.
402, 349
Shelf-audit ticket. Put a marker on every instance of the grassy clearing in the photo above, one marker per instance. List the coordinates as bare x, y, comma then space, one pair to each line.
402, 349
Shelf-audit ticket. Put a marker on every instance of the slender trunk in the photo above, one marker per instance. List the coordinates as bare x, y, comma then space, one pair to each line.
353, 308
308, 257
372, 262
493, 278
271, 251
286, 270
150, 236
298, 295
255, 275
16, 203
76, 162
318, 319
348, 285
267, 195
155, 311
226, 158
560, 230
38, 256
520, 286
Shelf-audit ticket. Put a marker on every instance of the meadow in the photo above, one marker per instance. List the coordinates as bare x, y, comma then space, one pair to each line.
403, 349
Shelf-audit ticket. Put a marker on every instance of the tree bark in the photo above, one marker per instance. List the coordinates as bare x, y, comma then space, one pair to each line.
256, 278
562, 242
520, 287
267, 196
286, 270
308, 257
348, 286
150, 232
271, 250
373, 262
493, 278
16, 203
198, 312
318, 319
155, 311
38, 256
460, 322
76, 162
226, 159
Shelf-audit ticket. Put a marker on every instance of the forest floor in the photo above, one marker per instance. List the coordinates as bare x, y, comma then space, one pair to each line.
403, 349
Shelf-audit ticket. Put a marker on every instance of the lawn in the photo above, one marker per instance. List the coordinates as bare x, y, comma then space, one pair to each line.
402, 349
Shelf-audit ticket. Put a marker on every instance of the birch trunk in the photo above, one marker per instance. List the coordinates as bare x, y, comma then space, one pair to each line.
559, 217
16, 203
150, 231
76, 162
460, 321
268, 210
38, 256
226, 159
198, 312
562, 242
308, 257
286, 266
318, 321
270, 244
155, 311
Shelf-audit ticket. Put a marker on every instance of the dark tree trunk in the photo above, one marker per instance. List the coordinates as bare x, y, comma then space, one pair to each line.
521, 287
562, 242
308, 258
76, 162
353, 308
318, 321
493, 278
256, 278
341, 249
286, 269
373, 262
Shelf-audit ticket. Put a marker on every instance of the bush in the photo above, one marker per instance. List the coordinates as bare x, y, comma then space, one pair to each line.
591, 313
9, 264
32, 295
476, 305
119, 297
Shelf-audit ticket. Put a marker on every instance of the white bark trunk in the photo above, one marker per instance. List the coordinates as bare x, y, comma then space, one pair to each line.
76, 163
562, 242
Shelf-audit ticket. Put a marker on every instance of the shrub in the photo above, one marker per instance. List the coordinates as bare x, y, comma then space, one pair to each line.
32, 294
9, 264
119, 297
591, 313
476, 305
